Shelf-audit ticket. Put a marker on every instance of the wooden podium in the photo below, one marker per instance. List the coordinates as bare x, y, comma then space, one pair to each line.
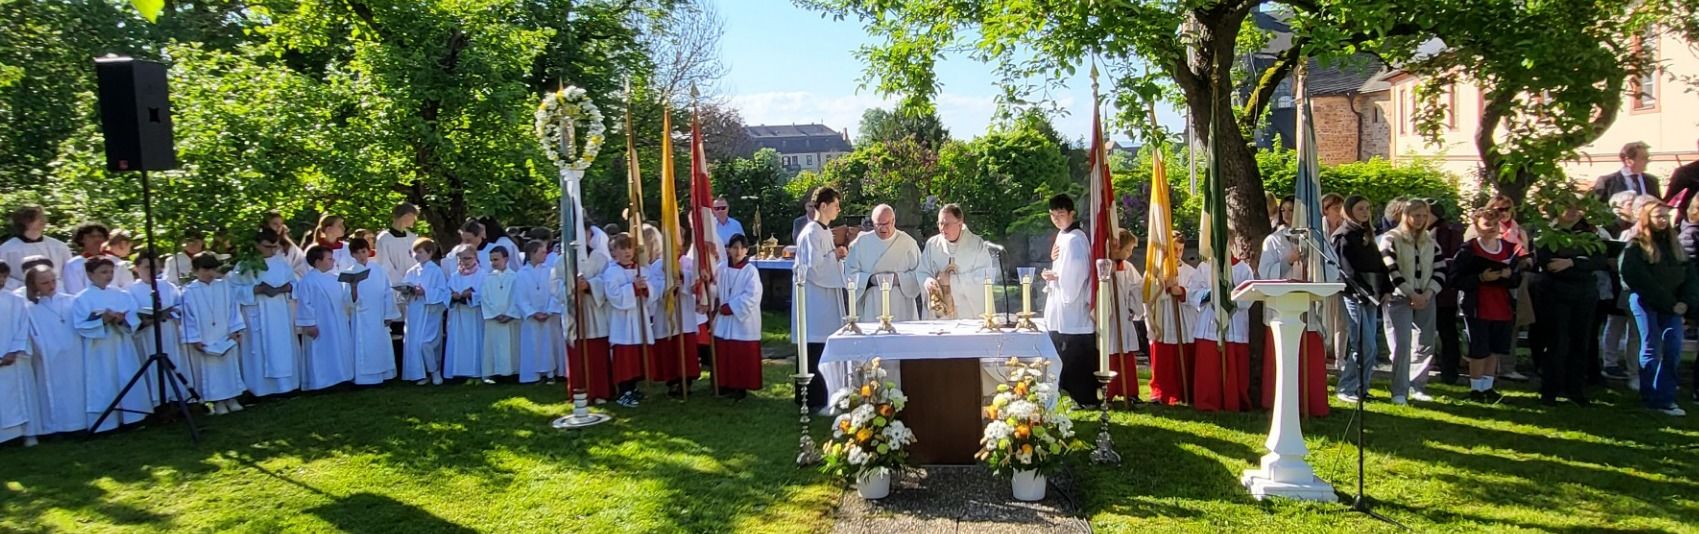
1284, 473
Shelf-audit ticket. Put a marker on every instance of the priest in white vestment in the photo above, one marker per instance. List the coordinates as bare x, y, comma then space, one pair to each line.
960, 259
271, 352
374, 310
422, 339
212, 324
321, 313
885, 250
500, 308
821, 263
57, 352
106, 320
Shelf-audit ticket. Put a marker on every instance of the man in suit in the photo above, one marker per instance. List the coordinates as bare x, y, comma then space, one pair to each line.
1633, 175
1684, 179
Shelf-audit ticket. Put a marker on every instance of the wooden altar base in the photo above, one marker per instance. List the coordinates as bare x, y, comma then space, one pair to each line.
943, 410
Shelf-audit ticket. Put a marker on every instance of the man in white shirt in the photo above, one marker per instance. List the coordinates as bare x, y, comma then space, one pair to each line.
724, 224
1067, 303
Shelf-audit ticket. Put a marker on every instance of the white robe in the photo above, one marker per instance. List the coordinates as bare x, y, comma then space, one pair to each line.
541, 343
1129, 286
374, 350
109, 356
395, 254
179, 269
501, 340
869, 255
683, 318
1272, 265
422, 340
14, 250
1160, 318
212, 318
464, 340
740, 289
967, 285
323, 302
59, 368
171, 328
1239, 330
271, 352
76, 274
20, 414
823, 284
297, 260
626, 324
1067, 301
594, 302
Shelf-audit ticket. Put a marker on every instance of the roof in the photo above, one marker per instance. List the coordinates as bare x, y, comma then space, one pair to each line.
798, 138
789, 130
1352, 75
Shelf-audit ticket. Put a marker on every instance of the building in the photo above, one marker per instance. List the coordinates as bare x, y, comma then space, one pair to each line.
801, 146
1348, 100
1659, 110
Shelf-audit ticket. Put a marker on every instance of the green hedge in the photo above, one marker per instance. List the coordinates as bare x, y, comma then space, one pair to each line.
1378, 179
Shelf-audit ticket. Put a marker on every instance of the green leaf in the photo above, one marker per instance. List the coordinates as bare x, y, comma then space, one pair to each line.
149, 8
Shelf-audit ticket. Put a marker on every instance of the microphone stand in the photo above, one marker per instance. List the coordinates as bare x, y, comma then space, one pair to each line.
1002, 272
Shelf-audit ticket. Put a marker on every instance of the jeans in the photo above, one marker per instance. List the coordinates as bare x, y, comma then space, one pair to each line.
1660, 353
1363, 345
1410, 335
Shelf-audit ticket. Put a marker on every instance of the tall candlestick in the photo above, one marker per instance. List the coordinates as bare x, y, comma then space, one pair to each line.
1104, 270
1026, 288
885, 280
801, 323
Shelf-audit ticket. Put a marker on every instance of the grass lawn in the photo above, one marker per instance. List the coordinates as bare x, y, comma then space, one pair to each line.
482, 458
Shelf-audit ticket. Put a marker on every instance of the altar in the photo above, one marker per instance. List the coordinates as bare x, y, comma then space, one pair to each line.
951, 371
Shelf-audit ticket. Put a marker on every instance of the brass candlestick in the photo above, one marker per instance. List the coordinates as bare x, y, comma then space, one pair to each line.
1026, 315
849, 320
885, 326
990, 314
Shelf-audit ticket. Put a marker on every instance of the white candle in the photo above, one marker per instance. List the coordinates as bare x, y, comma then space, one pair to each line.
990, 306
801, 326
852, 303
1103, 324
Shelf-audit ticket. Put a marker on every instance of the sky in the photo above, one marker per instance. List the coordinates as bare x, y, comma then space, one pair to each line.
788, 65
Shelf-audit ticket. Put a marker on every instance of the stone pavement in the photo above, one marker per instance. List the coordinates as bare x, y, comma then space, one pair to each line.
958, 499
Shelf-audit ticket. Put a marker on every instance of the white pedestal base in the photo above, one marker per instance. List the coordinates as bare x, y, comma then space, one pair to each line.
1262, 487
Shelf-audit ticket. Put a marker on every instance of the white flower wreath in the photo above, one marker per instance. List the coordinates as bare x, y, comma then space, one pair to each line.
562, 118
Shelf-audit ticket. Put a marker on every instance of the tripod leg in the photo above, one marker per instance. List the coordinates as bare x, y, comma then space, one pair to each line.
116, 401
181, 401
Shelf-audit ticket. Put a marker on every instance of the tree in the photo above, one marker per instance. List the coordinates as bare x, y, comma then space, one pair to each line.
756, 184
880, 125
725, 136
1001, 173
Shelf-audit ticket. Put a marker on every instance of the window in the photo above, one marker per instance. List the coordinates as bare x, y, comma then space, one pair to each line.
1644, 88
810, 160
787, 161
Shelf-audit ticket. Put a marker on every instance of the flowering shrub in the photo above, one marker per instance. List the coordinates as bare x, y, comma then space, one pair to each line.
866, 437
1023, 432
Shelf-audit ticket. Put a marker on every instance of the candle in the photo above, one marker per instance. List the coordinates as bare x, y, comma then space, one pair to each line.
1026, 288
801, 325
850, 284
1104, 270
885, 292
990, 305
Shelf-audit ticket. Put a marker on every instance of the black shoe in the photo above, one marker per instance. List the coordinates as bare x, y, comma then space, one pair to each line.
1492, 396
738, 394
1477, 396
1581, 400
1548, 400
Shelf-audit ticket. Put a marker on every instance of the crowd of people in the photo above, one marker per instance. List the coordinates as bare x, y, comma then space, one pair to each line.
360, 309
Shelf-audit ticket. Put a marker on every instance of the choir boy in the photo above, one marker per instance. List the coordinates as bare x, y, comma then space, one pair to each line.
465, 336
212, 326
20, 416
1067, 305
425, 289
105, 319
90, 239
675, 331
271, 356
27, 240
737, 330
118, 246
1129, 310
374, 310
497, 301
1172, 324
58, 355
631, 300
540, 338
168, 318
321, 314
394, 249
1222, 379
179, 267
588, 363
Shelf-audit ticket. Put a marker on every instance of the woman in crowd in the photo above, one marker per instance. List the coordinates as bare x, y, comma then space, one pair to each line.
1566, 295
1360, 261
1662, 286
1416, 272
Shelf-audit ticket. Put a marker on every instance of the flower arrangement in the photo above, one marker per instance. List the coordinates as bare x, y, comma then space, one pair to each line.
867, 439
559, 121
1023, 432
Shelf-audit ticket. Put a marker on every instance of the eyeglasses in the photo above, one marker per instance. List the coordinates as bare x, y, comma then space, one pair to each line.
721, 208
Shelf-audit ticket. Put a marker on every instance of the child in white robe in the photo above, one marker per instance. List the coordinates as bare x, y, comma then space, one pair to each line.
1221, 378
1129, 311
374, 309
500, 309
20, 416
106, 321
179, 268
540, 340
737, 328
169, 321
465, 337
28, 239
321, 315
630, 300
119, 244
426, 292
212, 326
57, 352
589, 356
271, 351
90, 238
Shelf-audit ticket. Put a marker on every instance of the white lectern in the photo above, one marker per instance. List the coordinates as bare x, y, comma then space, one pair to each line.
1284, 472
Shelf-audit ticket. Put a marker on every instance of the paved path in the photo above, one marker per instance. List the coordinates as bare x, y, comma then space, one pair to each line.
958, 499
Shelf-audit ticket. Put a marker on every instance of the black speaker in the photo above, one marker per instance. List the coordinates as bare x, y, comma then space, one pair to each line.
135, 114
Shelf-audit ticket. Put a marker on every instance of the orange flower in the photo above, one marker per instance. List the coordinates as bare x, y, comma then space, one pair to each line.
1020, 389
1022, 431
887, 410
867, 390
991, 412
863, 435
844, 425
1026, 448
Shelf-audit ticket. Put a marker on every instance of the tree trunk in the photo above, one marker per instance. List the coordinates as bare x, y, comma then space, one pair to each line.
1205, 78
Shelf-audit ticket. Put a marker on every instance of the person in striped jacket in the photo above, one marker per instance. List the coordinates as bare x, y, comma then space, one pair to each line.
1416, 271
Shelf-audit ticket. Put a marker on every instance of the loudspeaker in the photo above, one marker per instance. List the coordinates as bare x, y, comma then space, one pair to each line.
135, 114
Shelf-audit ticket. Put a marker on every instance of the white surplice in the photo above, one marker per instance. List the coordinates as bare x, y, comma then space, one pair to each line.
683, 317
20, 413
271, 352
967, 285
170, 332
1160, 313
323, 302
823, 284
109, 356
870, 255
464, 340
501, 340
594, 301
422, 340
374, 350
213, 319
541, 342
395, 254
58, 353
626, 324
1067, 301
1129, 293
740, 288
14, 250
1239, 330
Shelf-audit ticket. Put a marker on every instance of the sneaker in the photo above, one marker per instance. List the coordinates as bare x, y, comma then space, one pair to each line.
1674, 411
436, 379
1634, 384
1492, 396
1615, 373
628, 400
1420, 395
489, 381
1514, 376
600, 402
235, 406
1399, 400
30, 441
422, 381
1477, 396
1348, 398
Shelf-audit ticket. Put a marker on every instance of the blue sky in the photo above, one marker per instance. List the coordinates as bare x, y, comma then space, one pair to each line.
790, 65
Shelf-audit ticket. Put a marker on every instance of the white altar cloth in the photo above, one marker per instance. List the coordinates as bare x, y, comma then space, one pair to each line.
936, 340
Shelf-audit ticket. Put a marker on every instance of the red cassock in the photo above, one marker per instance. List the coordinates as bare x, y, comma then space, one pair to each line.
664, 359
1312, 375
1222, 378
739, 364
1171, 367
1126, 382
628, 362
601, 386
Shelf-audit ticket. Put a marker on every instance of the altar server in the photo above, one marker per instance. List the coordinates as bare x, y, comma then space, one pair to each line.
822, 265
426, 291
321, 314
90, 238
1067, 303
1129, 311
374, 309
589, 357
212, 325
881, 251
957, 258
1282, 259
1222, 378
168, 317
541, 343
499, 305
395, 245
328, 235
118, 246
291, 252
1172, 325
737, 330
57, 354
105, 319
463, 357
271, 355
27, 240
21, 416
628, 291
179, 267
675, 333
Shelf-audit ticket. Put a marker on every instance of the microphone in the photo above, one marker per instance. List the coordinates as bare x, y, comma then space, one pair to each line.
995, 249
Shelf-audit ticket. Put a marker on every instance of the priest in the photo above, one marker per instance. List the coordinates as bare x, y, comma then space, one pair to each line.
885, 250
954, 267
